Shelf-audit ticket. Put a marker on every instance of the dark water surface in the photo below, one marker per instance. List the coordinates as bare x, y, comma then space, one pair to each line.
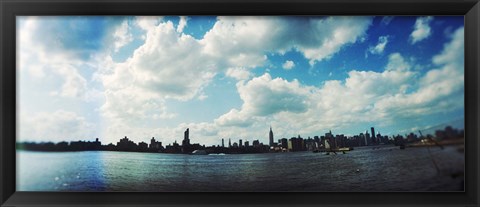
385, 169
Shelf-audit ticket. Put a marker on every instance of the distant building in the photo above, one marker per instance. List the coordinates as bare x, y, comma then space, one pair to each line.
270, 136
283, 143
296, 144
374, 139
174, 148
78, 145
154, 145
256, 143
330, 139
97, 144
186, 146
412, 137
310, 144
363, 139
142, 146
367, 137
317, 141
126, 145
448, 133
340, 141
186, 139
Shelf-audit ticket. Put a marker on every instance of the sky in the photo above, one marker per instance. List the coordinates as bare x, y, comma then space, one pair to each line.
87, 77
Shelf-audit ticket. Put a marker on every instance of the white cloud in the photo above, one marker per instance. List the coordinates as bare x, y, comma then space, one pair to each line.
74, 84
238, 73
178, 72
352, 102
263, 96
132, 105
147, 22
380, 47
44, 58
182, 24
396, 62
122, 36
238, 41
453, 52
55, 126
363, 97
244, 40
421, 30
288, 65
333, 33
383, 98
171, 65
235, 118
440, 90
394, 94
174, 66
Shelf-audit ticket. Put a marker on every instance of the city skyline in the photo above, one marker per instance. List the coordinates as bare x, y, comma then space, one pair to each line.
233, 77
360, 139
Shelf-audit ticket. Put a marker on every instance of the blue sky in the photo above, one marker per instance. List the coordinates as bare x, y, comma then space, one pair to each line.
233, 77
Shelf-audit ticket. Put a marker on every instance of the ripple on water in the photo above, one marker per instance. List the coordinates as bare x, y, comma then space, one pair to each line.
380, 169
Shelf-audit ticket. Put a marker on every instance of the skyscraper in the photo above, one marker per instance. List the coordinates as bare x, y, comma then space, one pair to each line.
373, 135
367, 137
270, 135
223, 143
186, 140
186, 146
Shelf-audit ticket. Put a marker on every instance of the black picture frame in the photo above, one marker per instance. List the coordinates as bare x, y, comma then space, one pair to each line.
9, 9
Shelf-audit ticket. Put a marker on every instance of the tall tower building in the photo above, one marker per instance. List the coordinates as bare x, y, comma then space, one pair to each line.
373, 135
229, 142
223, 143
368, 138
270, 135
186, 140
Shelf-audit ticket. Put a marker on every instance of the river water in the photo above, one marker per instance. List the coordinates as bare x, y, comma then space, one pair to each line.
364, 169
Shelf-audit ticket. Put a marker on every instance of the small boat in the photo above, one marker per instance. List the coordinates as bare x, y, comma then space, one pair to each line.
199, 152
